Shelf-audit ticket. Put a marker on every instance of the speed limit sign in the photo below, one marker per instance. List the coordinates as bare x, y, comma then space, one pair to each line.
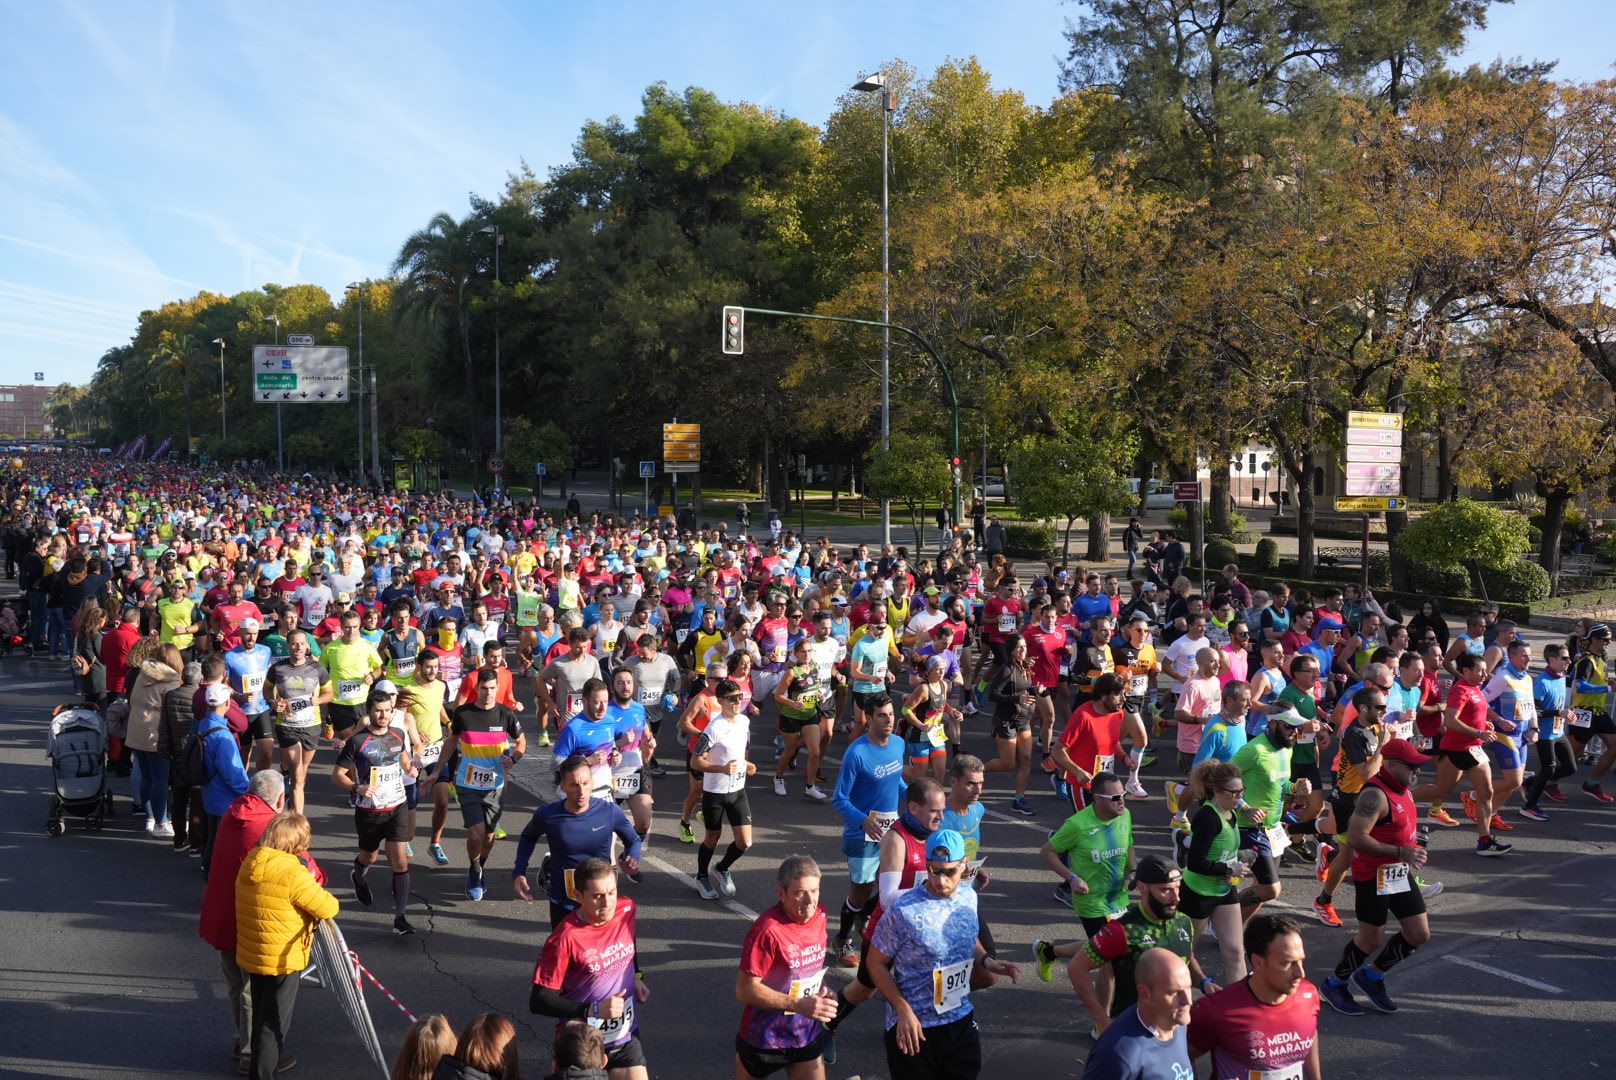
496, 465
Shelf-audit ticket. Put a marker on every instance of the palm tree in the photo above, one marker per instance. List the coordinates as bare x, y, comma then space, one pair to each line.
439, 263
174, 354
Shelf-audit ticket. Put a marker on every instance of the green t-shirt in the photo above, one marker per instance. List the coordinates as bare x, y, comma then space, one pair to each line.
1136, 932
1224, 845
348, 665
1098, 853
172, 616
1267, 773
278, 648
1302, 753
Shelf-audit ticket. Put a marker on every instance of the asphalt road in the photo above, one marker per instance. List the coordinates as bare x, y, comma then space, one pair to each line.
104, 977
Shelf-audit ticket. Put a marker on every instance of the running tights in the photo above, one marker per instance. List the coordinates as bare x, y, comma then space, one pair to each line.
1555, 762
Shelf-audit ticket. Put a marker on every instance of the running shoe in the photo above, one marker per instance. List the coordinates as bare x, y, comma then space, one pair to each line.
813, 794
1375, 990
1338, 997
1597, 791
685, 835
846, 952
1498, 824
499, 832
164, 829
779, 785
1442, 817
1180, 821
1020, 805
657, 770
704, 885
1326, 855
1324, 911
544, 738
1429, 890
726, 882
1148, 760
1468, 802
361, 888
1044, 953
1136, 791
474, 884
1172, 797
1063, 790
1048, 763
409, 850
1554, 793
968, 710
1532, 813
439, 856
402, 927
150, 825
1492, 847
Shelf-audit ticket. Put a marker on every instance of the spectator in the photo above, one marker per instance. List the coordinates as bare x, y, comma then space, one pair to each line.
184, 803
278, 905
238, 834
115, 646
580, 1053
157, 677
427, 1041
88, 632
486, 1051
224, 777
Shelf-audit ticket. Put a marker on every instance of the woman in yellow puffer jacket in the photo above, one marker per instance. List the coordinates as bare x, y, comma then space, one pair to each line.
278, 905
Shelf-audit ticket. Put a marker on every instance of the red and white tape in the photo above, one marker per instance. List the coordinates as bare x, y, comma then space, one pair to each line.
388, 994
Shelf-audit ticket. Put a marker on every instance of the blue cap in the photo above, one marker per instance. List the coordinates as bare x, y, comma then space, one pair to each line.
1328, 624
945, 845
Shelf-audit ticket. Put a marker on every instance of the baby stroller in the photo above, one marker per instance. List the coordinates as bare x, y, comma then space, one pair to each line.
77, 748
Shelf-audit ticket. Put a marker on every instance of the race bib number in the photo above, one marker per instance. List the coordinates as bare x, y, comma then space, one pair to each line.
1007, 623
1105, 763
350, 688
1478, 755
808, 985
883, 822
431, 753
878, 671
1391, 879
625, 785
936, 735
1306, 737
480, 777
1284, 1072
575, 704
680, 635
972, 866
404, 666
616, 1031
1139, 685
301, 712
1557, 726
1582, 718
949, 985
1400, 728
1525, 712
251, 685
1278, 840
648, 696
386, 786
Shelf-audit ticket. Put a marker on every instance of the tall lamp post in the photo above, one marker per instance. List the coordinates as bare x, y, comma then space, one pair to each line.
499, 439
280, 452
877, 83
223, 431
359, 288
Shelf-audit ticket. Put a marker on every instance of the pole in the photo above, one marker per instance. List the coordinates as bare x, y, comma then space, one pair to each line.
375, 441
361, 396
886, 312
223, 428
280, 446
499, 435
1364, 557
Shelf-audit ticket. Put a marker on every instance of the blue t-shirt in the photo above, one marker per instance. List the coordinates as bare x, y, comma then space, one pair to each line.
247, 669
870, 781
1128, 1050
872, 651
925, 934
968, 825
626, 719
1085, 607
1220, 741
585, 736
1549, 693
574, 838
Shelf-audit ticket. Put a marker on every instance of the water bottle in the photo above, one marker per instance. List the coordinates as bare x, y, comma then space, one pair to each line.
1422, 836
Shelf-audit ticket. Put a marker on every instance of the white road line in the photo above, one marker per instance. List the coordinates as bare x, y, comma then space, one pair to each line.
63, 685
531, 781
1547, 988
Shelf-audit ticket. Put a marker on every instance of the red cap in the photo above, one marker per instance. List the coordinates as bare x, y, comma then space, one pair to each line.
1403, 750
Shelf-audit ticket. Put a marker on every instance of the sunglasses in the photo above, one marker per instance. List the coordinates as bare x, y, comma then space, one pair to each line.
1119, 798
945, 871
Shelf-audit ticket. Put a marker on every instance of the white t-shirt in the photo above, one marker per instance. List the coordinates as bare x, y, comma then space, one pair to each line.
724, 741
1181, 654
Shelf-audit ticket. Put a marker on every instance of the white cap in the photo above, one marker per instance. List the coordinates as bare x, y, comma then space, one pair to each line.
217, 694
384, 686
250, 624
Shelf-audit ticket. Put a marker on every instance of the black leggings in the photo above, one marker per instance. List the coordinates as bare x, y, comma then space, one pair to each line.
1555, 762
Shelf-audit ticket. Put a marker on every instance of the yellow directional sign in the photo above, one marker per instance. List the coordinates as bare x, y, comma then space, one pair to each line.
1391, 420
1369, 504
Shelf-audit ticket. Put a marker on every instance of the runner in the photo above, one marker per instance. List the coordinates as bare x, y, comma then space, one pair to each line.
1048, 654
925, 959
1265, 769
560, 685
1092, 853
1554, 758
1135, 659
577, 828
403, 642
1014, 701
422, 694
631, 787
593, 734
801, 696
1214, 864
1089, 743
1268, 1024
298, 686
1385, 855
589, 970
371, 768
870, 651
719, 755
656, 682
1593, 683
354, 665
1148, 1041
1509, 693
925, 712
1466, 728
248, 666
782, 981
488, 740
868, 787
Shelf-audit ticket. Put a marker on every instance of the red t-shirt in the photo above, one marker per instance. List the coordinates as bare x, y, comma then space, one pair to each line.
1247, 1037
592, 963
229, 617
1472, 706
997, 614
790, 959
1091, 739
1046, 649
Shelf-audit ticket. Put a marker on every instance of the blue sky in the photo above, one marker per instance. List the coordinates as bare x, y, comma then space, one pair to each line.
149, 150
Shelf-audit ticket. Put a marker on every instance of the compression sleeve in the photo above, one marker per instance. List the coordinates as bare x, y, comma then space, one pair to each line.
548, 1002
889, 883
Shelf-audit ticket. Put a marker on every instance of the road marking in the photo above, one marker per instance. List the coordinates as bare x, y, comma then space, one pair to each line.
530, 780
1547, 988
53, 684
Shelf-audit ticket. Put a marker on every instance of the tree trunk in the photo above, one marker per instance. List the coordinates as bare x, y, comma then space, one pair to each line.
1555, 502
1444, 467
1306, 555
1066, 547
835, 488
695, 492
1143, 470
1099, 538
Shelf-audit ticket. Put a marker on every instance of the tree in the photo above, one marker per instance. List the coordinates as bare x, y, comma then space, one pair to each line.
438, 263
417, 444
912, 471
1069, 478
526, 444
1465, 533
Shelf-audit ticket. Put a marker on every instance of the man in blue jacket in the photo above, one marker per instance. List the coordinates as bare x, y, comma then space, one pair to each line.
226, 779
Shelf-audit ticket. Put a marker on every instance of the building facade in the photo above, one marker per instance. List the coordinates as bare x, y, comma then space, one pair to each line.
22, 411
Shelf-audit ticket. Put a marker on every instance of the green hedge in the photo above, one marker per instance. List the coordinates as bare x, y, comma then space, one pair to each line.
1520, 582
1380, 571
1178, 519
1022, 541
1220, 552
1267, 556
1439, 580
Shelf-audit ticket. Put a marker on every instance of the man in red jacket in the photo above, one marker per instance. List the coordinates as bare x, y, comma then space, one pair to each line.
115, 646
239, 831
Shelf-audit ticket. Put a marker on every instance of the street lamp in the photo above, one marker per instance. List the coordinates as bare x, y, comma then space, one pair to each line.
877, 83
280, 453
359, 287
223, 431
499, 440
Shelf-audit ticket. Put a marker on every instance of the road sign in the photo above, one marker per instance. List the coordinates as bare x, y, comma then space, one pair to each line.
1374, 437
300, 374
647, 470
1374, 487
681, 447
1186, 491
1392, 453
1389, 420
39, 376
681, 466
538, 468
300, 339
1369, 504
496, 465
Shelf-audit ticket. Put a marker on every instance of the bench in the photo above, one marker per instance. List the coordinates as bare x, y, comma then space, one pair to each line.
1577, 564
1341, 556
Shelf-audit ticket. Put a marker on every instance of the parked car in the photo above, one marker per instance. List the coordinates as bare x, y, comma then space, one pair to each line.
1158, 496
995, 488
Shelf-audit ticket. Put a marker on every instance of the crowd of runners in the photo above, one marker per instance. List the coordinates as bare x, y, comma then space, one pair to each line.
261, 644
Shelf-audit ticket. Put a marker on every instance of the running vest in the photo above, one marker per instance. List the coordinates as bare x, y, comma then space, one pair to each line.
914, 864
1396, 828
1276, 686
402, 654
1590, 669
1223, 848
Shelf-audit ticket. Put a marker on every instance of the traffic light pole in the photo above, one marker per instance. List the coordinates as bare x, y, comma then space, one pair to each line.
948, 379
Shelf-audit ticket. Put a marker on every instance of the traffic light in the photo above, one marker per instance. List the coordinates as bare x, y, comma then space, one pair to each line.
734, 336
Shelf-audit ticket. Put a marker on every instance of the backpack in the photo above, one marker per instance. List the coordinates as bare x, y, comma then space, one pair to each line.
190, 768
